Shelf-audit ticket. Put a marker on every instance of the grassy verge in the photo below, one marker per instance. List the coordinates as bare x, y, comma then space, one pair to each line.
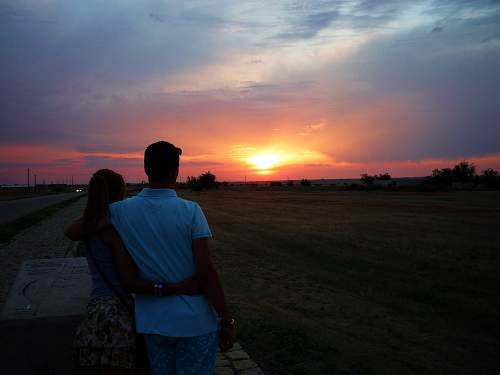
361, 282
9, 230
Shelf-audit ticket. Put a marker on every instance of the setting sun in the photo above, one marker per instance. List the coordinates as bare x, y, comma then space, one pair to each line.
264, 162
270, 159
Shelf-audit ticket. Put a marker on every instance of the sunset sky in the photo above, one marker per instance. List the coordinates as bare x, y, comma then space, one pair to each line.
262, 89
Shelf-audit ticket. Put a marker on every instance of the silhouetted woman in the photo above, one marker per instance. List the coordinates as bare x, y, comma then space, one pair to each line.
106, 338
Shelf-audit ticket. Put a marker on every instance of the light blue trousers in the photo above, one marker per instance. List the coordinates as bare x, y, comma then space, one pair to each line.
182, 355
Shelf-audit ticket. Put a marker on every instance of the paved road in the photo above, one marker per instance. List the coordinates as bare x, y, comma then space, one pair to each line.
14, 209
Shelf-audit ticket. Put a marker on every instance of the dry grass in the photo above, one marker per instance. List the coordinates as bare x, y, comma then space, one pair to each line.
361, 282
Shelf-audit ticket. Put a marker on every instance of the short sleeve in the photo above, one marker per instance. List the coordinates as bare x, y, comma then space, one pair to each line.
200, 226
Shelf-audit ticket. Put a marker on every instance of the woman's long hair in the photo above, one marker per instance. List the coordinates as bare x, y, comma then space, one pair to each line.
105, 187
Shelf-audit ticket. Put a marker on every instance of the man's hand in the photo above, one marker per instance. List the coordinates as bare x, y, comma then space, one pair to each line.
228, 334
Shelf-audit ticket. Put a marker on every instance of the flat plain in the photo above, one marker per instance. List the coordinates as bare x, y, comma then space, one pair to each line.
327, 282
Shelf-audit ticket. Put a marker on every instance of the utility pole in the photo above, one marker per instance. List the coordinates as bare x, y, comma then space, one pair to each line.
28, 179
34, 188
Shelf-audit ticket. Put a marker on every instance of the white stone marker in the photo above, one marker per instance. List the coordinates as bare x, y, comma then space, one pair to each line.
49, 287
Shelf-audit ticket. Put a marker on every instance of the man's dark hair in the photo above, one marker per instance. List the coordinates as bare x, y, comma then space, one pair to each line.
160, 160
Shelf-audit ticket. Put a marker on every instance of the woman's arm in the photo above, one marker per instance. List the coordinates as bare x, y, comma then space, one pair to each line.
76, 230
128, 270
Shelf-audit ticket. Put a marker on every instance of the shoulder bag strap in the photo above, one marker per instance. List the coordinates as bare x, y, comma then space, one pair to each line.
122, 299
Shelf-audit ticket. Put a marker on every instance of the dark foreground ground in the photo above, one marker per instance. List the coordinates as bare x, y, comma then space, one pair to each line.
362, 282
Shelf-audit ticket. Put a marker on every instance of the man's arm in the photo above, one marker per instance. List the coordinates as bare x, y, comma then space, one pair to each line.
212, 287
128, 271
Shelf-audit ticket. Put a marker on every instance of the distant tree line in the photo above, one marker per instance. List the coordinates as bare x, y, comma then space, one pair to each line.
465, 173
303, 182
208, 180
462, 174
205, 180
369, 179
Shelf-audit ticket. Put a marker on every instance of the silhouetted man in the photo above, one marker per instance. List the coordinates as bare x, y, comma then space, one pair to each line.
168, 239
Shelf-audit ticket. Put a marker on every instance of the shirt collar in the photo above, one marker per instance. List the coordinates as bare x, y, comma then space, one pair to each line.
160, 193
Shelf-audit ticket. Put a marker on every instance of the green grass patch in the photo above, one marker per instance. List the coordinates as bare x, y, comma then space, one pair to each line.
9, 230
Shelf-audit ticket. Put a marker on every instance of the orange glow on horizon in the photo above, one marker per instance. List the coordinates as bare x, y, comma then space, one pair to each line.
264, 163
277, 161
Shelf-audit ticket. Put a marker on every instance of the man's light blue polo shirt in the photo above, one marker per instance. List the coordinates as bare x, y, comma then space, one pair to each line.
157, 229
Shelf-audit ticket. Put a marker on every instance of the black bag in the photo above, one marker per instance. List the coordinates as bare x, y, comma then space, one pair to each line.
142, 360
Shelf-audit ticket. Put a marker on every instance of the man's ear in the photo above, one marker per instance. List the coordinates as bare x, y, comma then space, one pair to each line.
174, 174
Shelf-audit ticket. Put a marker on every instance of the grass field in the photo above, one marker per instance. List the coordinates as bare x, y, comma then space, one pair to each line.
361, 282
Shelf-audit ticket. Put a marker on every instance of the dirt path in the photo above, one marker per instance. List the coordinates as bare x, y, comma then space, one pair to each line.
43, 240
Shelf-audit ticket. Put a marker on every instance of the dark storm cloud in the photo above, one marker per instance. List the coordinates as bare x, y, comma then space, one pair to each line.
452, 81
306, 22
57, 163
65, 80
309, 26
492, 38
95, 162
